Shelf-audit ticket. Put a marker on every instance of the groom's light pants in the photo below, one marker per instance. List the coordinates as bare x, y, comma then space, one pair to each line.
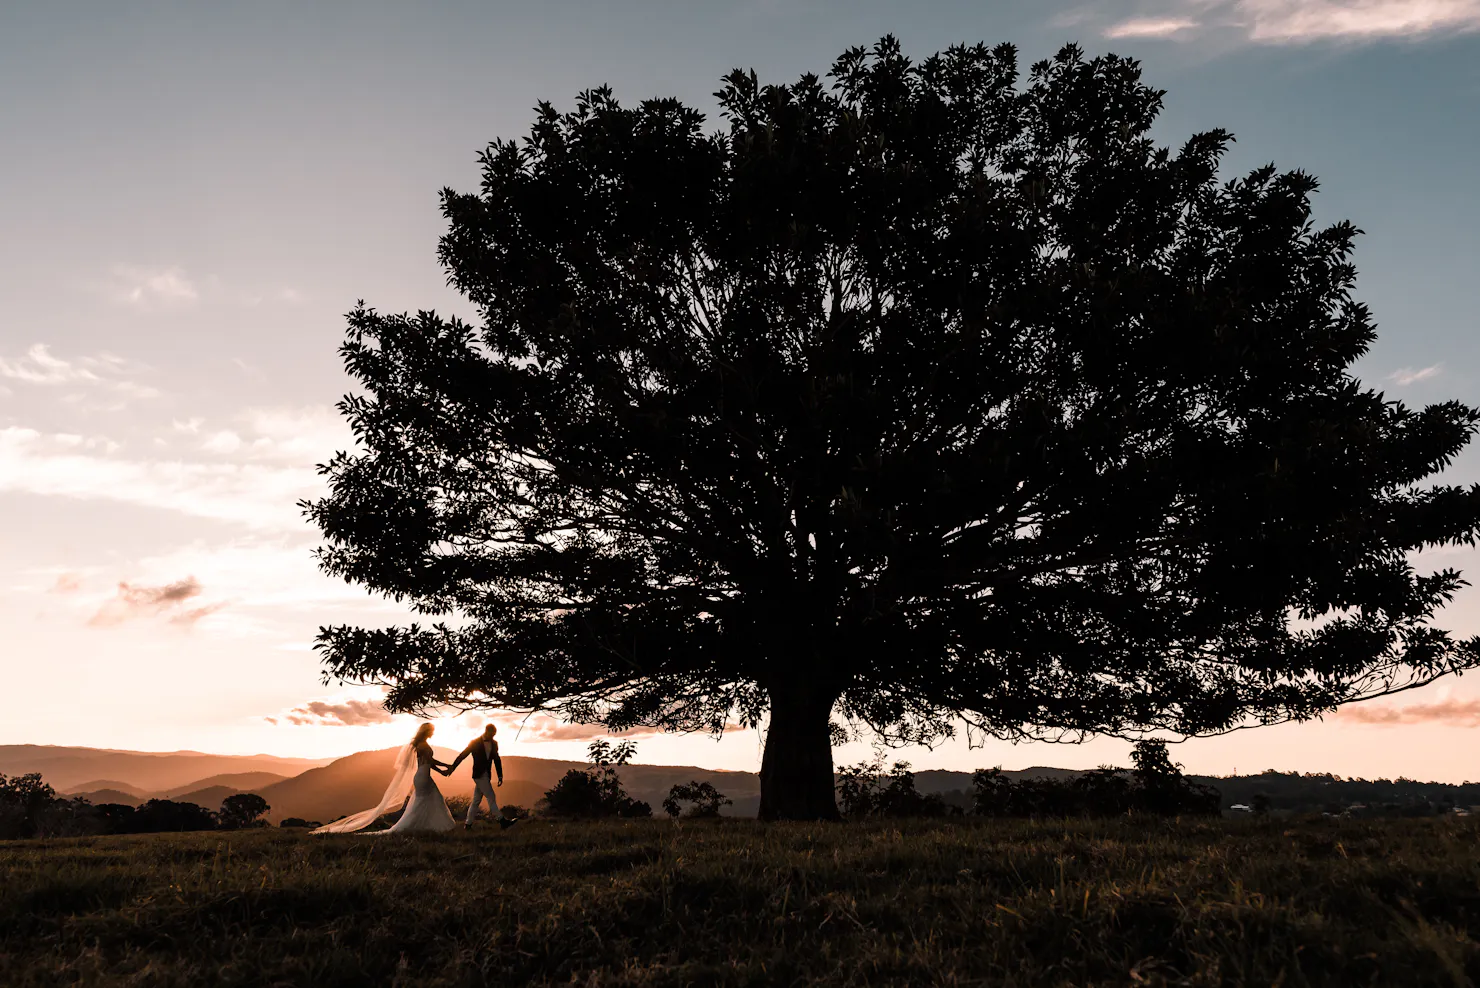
482, 787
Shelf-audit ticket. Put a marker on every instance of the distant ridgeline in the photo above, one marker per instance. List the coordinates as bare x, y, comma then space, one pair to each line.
29, 807
1278, 792
1314, 792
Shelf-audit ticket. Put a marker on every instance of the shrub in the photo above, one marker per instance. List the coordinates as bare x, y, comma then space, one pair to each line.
299, 822
1156, 785
596, 791
166, 815
706, 799
866, 790
22, 800
115, 818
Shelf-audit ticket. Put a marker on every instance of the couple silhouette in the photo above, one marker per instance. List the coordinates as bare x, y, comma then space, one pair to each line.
426, 811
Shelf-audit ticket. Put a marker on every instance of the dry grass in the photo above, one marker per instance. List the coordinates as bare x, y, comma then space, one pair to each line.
737, 903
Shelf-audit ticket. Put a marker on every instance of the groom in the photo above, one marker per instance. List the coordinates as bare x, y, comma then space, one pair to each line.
484, 750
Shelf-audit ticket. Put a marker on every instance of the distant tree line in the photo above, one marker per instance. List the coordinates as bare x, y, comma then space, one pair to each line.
1155, 785
1317, 792
29, 807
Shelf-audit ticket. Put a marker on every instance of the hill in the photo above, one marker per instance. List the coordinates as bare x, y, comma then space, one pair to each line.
145, 771
97, 785
210, 797
235, 781
98, 797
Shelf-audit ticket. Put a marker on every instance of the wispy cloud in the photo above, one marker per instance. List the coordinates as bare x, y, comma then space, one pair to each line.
335, 713
1150, 27
66, 583
1286, 21
40, 367
258, 495
149, 287
167, 601
543, 728
1303, 21
1449, 713
1405, 376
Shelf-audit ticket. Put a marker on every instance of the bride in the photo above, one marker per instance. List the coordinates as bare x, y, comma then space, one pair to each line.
427, 810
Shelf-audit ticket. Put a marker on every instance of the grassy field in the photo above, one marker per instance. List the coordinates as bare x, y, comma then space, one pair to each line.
736, 903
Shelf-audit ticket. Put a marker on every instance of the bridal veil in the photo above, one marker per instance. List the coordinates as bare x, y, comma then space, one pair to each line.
395, 794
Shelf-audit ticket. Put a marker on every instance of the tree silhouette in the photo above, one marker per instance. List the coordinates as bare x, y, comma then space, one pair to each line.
242, 811
918, 395
706, 800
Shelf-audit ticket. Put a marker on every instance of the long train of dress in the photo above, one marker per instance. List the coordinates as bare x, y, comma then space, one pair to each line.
427, 810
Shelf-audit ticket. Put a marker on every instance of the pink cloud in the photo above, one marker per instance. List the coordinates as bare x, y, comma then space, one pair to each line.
549, 729
1150, 27
133, 601
67, 583
344, 713
1306, 20
1451, 713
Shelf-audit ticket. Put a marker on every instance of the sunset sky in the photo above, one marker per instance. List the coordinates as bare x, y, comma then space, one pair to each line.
192, 194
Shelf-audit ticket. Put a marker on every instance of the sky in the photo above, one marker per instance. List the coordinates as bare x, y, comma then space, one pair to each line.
193, 194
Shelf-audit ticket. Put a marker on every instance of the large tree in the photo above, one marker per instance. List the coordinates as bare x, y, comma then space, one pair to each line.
917, 396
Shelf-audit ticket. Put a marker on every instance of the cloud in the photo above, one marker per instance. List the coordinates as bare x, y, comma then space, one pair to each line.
541, 728
1285, 21
103, 371
329, 713
132, 601
1305, 21
1405, 376
224, 441
1449, 713
307, 435
258, 495
67, 583
148, 287
1149, 27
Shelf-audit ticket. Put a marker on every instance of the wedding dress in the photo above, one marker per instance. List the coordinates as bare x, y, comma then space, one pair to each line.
426, 812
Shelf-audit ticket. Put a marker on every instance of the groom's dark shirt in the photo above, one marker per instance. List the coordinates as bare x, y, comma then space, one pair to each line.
484, 758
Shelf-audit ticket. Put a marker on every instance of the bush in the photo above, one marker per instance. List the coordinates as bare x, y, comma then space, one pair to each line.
596, 791
23, 798
168, 816
298, 822
115, 818
865, 790
514, 812
706, 799
1156, 786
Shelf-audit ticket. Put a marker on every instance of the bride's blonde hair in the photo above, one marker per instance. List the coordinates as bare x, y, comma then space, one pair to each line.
422, 733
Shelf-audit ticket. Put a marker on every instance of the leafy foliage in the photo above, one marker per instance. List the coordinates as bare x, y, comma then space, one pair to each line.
31, 808
865, 790
1156, 786
706, 800
242, 811
596, 791
167, 815
924, 394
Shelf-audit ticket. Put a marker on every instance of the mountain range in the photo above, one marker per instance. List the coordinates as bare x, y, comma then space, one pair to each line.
323, 789
153, 772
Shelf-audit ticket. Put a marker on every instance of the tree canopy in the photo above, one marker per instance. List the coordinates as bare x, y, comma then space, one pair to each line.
918, 394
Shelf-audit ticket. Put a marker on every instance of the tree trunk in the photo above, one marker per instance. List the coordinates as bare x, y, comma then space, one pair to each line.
797, 767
